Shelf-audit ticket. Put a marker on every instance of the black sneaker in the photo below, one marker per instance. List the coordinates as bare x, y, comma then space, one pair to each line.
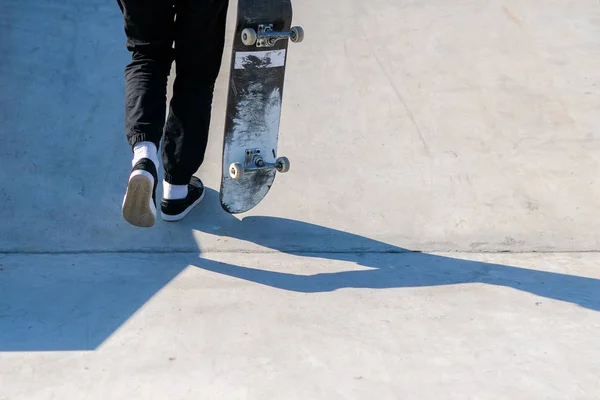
175, 210
139, 204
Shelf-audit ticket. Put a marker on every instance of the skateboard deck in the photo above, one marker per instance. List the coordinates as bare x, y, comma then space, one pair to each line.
259, 54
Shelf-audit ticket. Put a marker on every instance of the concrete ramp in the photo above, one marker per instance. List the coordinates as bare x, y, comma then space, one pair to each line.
433, 127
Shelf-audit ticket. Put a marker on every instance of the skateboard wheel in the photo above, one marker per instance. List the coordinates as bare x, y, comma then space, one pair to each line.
249, 37
236, 170
283, 164
297, 34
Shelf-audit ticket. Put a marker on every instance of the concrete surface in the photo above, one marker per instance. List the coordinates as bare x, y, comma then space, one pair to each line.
239, 326
464, 130
465, 126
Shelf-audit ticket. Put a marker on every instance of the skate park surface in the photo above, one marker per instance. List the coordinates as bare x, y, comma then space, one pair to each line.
436, 237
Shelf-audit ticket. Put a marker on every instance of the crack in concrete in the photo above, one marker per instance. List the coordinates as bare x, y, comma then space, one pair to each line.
292, 252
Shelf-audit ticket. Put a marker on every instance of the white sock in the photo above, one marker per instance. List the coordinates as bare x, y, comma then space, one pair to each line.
145, 150
174, 192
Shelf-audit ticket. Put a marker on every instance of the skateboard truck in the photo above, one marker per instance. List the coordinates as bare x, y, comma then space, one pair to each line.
266, 37
255, 162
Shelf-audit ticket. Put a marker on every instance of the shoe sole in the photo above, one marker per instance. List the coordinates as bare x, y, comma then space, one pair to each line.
138, 207
178, 217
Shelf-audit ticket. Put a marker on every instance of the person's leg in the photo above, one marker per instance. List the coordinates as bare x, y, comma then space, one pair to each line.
149, 30
199, 42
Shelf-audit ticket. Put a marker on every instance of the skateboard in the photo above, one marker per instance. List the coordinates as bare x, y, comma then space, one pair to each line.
259, 54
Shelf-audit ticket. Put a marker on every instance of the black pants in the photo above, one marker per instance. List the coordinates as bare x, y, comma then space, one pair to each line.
197, 28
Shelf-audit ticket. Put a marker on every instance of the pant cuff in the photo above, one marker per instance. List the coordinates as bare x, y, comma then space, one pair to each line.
176, 179
135, 138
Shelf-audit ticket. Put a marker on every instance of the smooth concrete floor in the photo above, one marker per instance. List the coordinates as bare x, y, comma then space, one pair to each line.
311, 326
436, 238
